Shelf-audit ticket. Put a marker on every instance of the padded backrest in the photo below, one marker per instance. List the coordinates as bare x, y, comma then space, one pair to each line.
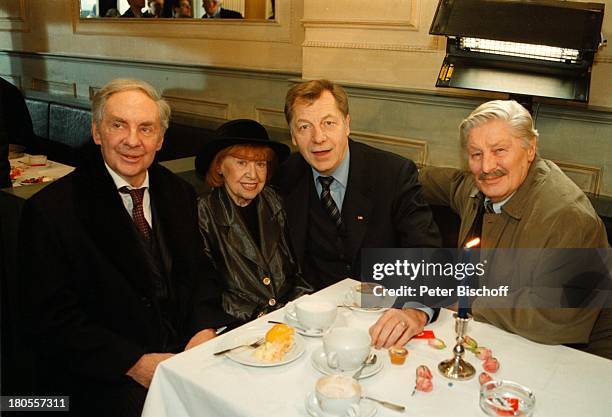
69, 125
39, 112
181, 141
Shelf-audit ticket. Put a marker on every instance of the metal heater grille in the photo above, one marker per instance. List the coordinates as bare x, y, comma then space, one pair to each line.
524, 50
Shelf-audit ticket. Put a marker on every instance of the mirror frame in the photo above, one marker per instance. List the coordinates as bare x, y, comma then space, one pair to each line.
278, 30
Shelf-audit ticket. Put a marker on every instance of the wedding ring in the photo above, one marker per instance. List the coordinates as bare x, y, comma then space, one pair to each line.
402, 323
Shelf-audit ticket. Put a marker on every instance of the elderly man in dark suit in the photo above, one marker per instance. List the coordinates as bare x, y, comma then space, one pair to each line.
342, 196
114, 279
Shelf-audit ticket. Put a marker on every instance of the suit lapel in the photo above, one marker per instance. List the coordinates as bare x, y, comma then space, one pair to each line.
165, 220
357, 204
109, 225
296, 203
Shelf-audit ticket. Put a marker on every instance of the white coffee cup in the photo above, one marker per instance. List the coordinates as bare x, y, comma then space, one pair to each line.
364, 295
312, 314
338, 395
346, 348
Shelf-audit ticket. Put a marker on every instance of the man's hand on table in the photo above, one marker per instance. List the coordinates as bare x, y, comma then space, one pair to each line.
143, 370
397, 326
200, 337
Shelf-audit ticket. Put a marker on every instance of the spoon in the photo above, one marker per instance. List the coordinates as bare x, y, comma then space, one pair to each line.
305, 330
395, 407
370, 360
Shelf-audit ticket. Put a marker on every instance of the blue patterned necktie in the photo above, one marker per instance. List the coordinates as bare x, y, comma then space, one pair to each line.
328, 202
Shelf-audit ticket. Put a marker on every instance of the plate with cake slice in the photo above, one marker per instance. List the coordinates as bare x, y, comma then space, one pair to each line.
281, 345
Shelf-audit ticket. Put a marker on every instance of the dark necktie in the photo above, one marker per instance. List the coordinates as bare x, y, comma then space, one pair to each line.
328, 202
476, 230
137, 211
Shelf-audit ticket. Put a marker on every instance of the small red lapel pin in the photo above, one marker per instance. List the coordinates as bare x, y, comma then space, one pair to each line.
359, 217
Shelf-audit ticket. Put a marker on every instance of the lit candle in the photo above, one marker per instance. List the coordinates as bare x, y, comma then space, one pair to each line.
464, 308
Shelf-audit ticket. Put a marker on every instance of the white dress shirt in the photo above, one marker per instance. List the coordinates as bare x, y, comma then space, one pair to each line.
127, 200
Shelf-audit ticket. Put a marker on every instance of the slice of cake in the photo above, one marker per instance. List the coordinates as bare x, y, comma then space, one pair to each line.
279, 340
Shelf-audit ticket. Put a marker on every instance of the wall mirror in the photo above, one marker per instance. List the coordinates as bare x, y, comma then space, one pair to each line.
179, 10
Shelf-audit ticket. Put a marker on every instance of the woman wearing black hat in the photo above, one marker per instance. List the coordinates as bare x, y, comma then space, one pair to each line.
243, 223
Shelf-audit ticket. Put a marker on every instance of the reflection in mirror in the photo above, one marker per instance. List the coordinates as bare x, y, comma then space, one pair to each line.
180, 9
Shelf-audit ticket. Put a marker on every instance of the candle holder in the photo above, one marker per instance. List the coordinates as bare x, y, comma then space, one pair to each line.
456, 368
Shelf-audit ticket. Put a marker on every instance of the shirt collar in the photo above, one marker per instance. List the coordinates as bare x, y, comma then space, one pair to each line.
217, 14
341, 173
120, 182
497, 207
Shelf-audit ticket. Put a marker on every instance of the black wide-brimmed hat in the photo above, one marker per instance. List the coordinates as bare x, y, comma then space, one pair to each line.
237, 132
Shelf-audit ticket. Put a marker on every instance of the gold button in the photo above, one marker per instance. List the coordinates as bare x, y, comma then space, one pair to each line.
272, 302
261, 313
266, 280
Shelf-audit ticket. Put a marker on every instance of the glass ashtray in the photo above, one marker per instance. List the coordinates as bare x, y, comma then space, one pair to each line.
506, 398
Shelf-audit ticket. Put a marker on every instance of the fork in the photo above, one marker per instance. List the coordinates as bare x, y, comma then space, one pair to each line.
253, 345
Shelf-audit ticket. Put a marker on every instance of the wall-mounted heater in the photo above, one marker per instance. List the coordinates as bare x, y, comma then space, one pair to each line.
542, 48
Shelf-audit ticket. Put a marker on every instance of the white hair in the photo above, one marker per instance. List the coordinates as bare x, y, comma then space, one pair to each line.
119, 85
518, 118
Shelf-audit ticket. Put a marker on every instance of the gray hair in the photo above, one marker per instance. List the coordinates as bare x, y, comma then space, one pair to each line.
518, 118
119, 85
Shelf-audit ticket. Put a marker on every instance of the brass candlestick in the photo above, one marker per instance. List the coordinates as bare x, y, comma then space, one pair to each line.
456, 368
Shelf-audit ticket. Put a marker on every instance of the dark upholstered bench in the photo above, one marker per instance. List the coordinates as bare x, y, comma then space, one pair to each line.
67, 122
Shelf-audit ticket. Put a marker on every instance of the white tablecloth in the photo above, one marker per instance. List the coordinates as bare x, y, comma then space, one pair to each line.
51, 171
566, 382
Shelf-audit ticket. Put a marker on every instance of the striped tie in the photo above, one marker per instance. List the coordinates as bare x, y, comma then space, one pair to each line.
137, 211
328, 202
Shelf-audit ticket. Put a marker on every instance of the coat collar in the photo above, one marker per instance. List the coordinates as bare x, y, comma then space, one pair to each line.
515, 207
297, 189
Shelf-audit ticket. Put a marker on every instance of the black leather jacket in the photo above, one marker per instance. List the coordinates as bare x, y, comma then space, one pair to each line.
255, 281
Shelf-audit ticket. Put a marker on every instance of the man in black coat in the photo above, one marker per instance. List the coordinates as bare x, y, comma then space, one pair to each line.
215, 11
112, 266
376, 200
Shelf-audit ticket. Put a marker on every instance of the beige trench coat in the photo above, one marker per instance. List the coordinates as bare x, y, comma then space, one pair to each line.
547, 211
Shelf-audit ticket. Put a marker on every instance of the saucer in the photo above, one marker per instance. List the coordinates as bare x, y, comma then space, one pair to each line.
367, 408
349, 300
339, 322
320, 364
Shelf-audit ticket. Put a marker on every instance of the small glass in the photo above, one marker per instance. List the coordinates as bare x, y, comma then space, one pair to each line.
398, 355
506, 398
38, 160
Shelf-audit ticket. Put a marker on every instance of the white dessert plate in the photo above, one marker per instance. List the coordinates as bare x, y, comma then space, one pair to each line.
245, 355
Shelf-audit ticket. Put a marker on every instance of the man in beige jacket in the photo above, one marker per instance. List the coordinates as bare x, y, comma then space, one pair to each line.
530, 203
